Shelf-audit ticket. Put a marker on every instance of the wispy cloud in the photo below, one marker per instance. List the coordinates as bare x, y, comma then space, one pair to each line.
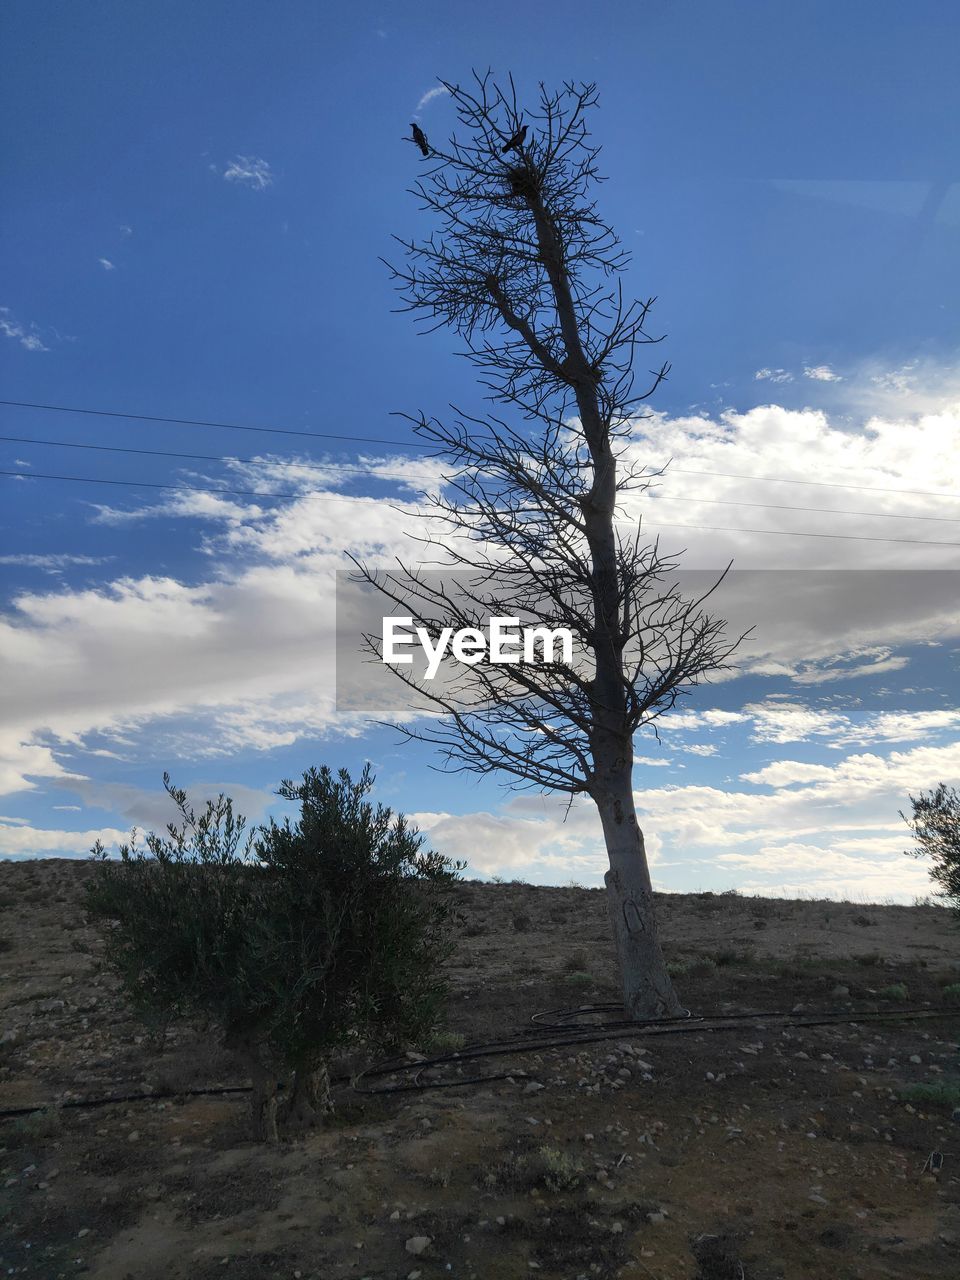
106, 264
51, 563
901, 381
773, 375
250, 171
438, 91
821, 373
28, 335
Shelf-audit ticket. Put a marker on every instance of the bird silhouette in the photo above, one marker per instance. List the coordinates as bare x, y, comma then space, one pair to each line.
420, 138
516, 142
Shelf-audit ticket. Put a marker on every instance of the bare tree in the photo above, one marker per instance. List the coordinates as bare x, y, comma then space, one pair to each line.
523, 267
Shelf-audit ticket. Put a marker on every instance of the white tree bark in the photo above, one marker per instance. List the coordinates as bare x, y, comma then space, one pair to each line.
647, 988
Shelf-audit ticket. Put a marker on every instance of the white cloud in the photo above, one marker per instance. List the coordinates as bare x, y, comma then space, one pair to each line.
249, 171
821, 373
438, 91
37, 841
28, 335
244, 660
831, 831
792, 722
106, 264
711, 718
790, 467
783, 721
51, 563
773, 375
902, 380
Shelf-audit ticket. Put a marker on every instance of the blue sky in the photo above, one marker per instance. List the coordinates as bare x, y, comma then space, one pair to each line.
196, 201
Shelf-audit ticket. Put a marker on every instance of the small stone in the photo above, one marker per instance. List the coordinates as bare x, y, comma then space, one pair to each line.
395, 1216
658, 1216
840, 992
417, 1244
916, 1059
533, 1087
133, 1135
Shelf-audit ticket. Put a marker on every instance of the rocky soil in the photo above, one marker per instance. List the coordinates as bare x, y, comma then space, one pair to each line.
726, 1148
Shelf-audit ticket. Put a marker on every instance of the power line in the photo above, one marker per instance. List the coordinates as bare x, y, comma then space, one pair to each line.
415, 444
226, 426
331, 497
399, 475
792, 533
208, 457
191, 488
825, 484
823, 511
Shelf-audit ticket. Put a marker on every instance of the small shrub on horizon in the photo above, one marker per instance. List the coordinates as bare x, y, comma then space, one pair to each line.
945, 1093
556, 1170
896, 991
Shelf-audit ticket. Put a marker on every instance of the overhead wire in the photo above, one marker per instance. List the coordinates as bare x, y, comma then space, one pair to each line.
415, 444
407, 477
338, 467
343, 497
338, 497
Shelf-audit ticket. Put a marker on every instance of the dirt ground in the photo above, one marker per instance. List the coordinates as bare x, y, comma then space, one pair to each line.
745, 1149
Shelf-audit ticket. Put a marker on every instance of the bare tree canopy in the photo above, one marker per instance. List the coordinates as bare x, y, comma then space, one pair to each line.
524, 268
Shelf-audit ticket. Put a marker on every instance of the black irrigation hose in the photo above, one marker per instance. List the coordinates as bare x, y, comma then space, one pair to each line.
564, 1016
653, 1027
501, 1048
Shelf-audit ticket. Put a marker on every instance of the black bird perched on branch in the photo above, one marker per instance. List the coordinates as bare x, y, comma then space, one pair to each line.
516, 142
420, 138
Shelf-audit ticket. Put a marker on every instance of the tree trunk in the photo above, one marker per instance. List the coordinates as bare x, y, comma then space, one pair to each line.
647, 988
263, 1079
309, 1103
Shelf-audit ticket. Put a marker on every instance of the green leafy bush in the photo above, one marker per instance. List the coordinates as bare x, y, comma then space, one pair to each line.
940, 1093
896, 991
291, 942
935, 823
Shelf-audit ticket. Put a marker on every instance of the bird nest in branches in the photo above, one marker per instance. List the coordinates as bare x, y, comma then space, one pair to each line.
522, 180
